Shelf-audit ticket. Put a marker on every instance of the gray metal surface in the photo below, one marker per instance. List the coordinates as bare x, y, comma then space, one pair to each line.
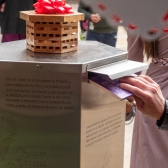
89, 55
102, 128
47, 106
40, 119
120, 69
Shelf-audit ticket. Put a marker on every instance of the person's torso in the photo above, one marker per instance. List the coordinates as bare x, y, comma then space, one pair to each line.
101, 27
11, 22
149, 144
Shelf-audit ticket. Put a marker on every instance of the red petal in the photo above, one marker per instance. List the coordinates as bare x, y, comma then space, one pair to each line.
116, 18
50, 9
59, 3
70, 11
67, 7
165, 17
101, 6
131, 26
165, 29
36, 5
60, 10
46, 3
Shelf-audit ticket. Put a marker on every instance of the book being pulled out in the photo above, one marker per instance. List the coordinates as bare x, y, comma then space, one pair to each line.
109, 85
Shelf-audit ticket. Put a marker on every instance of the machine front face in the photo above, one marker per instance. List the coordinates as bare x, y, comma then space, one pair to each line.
39, 119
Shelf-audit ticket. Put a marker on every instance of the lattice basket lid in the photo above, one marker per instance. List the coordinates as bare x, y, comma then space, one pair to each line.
139, 16
34, 17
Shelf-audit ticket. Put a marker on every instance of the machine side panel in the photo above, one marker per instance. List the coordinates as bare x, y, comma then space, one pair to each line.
102, 128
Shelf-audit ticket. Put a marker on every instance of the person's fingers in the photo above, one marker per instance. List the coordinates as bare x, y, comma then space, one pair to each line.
137, 91
134, 81
142, 82
149, 82
147, 78
151, 85
139, 103
95, 20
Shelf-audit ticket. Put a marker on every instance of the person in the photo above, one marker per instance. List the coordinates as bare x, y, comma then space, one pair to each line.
1, 12
12, 27
149, 145
149, 98
98, 28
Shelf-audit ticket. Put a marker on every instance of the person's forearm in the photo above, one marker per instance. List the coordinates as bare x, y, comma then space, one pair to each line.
163, 122
83, 9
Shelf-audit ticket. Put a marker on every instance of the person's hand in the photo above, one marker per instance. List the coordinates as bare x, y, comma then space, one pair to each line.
2, 7
129, 104
95, 18
147, 94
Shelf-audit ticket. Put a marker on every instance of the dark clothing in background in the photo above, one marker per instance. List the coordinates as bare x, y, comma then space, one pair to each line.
11, 22
1, 18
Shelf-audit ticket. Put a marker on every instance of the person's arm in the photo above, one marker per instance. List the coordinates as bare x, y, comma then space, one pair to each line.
2, 7
1, 2
88, 13
84, 9
149, 98
163, 122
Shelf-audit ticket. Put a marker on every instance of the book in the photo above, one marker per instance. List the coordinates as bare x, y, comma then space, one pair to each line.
109, 85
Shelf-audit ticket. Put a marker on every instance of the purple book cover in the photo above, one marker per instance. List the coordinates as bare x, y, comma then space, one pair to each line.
110, 85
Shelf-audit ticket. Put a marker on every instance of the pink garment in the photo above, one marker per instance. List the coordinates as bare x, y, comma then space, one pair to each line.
12, 37
149, 144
